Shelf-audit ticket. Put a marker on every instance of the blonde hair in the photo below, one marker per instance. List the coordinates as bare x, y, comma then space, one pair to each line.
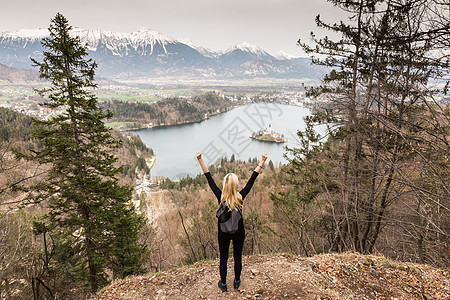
230, 193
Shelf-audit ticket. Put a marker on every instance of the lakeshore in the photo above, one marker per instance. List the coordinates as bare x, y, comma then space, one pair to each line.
209, 116
152, 126
222, 136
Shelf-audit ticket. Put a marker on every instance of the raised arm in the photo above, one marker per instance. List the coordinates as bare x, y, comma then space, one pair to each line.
217, 192
261, 163
255, 174
202, 163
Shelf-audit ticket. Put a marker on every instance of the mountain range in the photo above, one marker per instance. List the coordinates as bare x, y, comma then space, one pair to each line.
149, 53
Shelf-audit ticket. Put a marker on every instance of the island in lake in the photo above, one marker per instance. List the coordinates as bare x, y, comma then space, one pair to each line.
267, 135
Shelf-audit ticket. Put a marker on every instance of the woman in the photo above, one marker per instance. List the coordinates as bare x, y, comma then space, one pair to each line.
234, 200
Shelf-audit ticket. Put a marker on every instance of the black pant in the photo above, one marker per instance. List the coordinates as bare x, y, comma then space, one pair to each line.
224, 245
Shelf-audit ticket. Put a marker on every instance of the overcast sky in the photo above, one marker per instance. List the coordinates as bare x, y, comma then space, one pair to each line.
273, 25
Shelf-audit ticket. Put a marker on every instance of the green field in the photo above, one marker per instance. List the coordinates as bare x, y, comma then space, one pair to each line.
127, 92
126, 95
146, 95
16, 93
4, 98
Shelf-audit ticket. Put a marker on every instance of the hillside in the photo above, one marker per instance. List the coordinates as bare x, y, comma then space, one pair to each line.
326, 276
17, 75
16, 133
167, 111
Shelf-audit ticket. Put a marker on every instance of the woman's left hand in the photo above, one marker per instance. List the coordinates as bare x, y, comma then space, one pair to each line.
264, 157
199, 155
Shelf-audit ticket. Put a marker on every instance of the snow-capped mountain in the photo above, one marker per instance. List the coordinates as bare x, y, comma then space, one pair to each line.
116, 42
147, 52
30, 34
202, 50
247, 48
240, 53
281, 55
142, 42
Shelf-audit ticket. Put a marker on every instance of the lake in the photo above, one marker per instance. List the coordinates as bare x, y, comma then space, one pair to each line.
223, 135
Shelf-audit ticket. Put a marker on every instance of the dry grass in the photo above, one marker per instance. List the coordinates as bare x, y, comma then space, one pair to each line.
328, 276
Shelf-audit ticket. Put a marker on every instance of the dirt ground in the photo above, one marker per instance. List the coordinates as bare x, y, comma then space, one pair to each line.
329, 276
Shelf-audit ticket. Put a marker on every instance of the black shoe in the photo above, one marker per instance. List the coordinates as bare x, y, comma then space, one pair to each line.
222, 287
236, 284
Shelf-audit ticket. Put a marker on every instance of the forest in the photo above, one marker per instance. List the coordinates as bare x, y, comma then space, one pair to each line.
378, 181
168, 111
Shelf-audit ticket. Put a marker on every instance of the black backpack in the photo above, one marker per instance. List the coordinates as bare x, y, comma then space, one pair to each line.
228, 220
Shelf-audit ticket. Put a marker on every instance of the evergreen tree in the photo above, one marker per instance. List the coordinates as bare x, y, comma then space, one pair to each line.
306, 178
95, 226
271, 165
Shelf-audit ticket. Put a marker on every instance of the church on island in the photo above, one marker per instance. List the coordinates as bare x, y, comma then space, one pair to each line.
267, 135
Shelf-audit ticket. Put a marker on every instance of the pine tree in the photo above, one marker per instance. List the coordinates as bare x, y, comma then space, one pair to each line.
95, 226
271, 165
